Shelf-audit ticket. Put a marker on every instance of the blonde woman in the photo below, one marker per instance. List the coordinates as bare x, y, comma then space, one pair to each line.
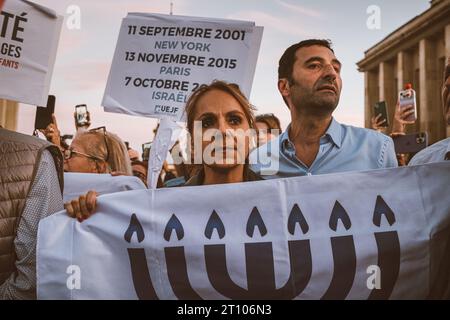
223, 108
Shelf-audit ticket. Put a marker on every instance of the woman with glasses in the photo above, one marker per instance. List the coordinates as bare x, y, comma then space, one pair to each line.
97, 151
94, 151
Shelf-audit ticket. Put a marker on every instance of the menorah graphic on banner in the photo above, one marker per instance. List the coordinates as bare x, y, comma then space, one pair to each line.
259, 258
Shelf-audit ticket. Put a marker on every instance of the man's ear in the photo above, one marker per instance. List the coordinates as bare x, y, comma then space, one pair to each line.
283, 87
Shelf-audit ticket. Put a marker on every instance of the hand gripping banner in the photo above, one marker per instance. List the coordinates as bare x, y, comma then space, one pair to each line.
381, 234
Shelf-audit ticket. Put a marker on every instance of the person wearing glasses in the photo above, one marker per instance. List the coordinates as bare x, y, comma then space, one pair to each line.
268, 126
91, 155
97, 151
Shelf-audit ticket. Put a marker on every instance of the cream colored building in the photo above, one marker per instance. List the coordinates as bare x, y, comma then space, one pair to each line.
8, 114
414, 53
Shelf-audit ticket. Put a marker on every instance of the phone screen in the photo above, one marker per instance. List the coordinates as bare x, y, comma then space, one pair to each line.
81, 115
408, 98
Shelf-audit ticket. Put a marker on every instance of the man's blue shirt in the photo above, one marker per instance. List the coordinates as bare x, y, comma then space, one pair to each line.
342, 148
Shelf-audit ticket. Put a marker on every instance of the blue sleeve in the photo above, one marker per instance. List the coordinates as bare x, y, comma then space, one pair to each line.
388, 156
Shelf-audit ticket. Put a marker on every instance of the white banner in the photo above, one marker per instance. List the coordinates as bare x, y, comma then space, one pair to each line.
29, 37
160, 59
76, 184
359, 235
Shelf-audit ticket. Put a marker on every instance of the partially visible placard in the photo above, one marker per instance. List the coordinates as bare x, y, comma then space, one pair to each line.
29, 37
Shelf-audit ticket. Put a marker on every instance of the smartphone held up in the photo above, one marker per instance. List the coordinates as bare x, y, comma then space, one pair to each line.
146, 150
44, 114
407, 98
410, 143
380, 109
81, 116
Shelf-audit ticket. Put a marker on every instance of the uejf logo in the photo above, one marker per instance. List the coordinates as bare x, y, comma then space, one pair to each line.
259, 258
74, 19
374, 19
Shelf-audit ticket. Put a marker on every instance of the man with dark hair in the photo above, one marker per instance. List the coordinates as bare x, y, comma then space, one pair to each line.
439, 151
309, 80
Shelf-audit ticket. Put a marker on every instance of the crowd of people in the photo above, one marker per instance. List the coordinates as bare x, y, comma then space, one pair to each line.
310, 83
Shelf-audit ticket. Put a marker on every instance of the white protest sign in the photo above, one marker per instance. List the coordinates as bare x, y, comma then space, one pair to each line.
358, 235
29, 37
160, 59
77, 184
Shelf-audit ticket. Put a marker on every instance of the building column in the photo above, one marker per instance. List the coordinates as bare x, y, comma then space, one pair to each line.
8, 114
387, 86
371, 95
430, 113
405, 69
